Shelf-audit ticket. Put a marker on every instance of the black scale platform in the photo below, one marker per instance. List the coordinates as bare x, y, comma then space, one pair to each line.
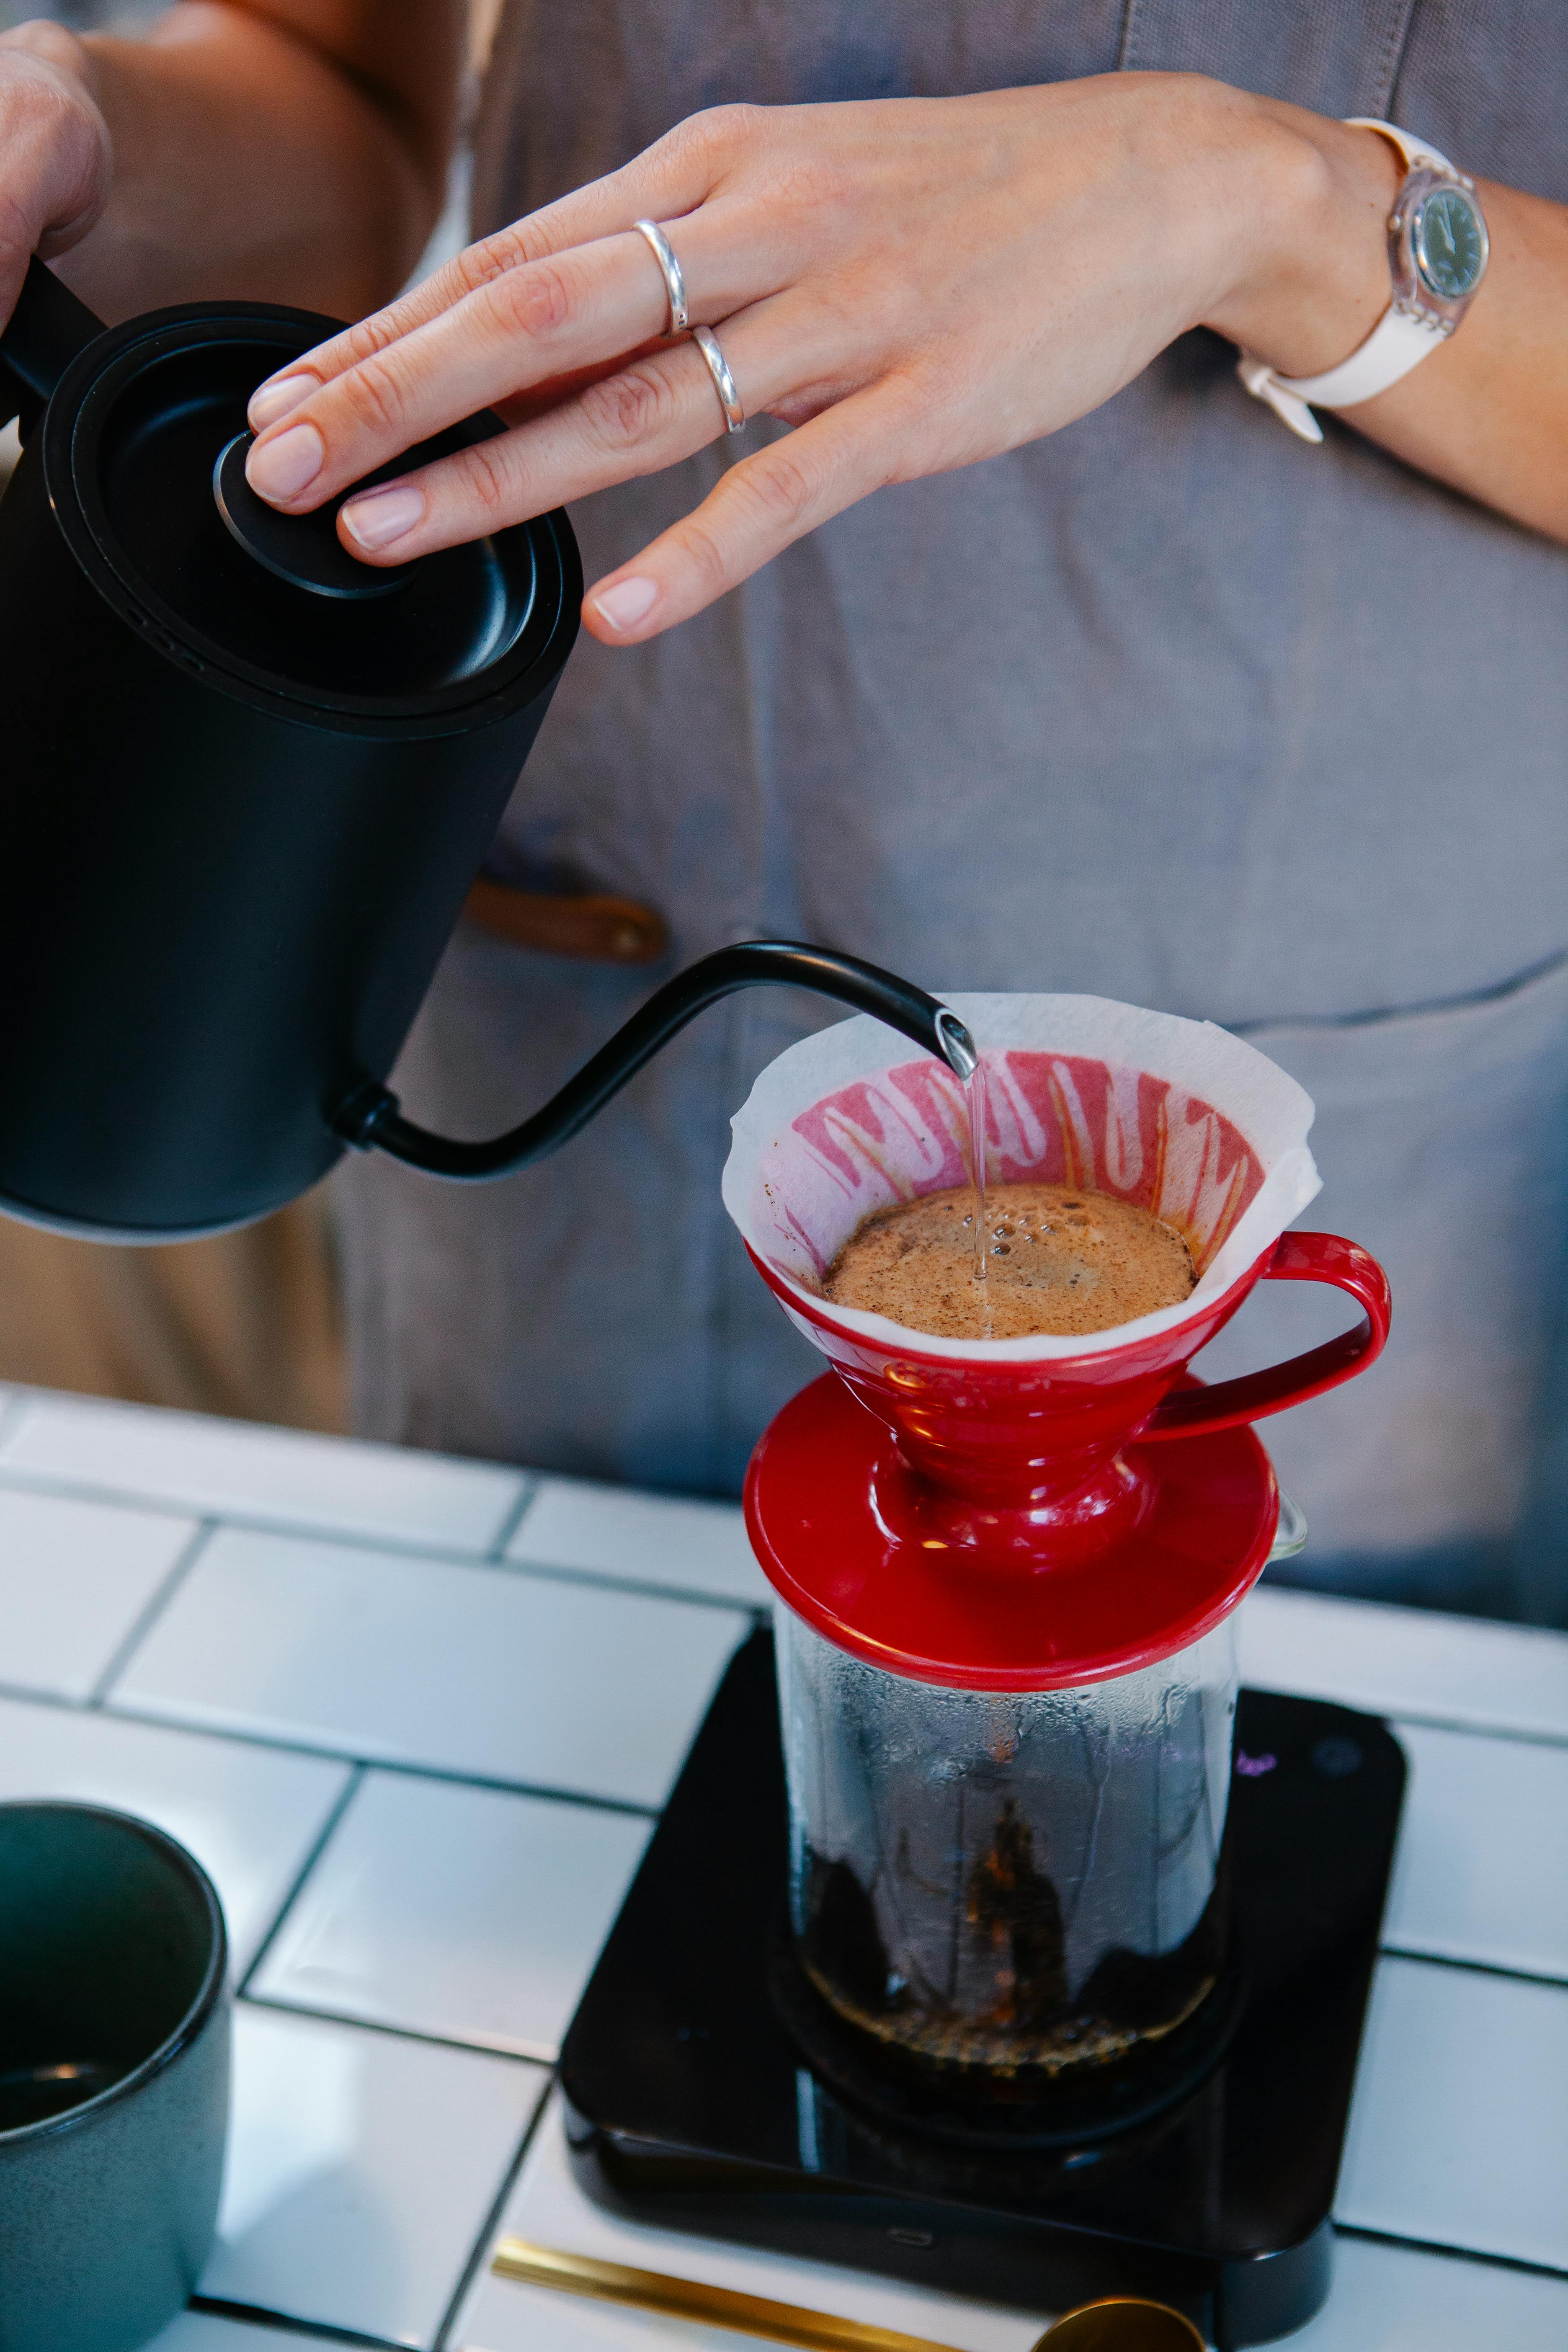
692, 2105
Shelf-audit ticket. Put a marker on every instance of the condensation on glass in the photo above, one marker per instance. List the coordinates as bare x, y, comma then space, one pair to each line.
1007, 1890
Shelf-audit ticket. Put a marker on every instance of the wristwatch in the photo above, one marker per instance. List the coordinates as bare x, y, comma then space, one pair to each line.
1438, 250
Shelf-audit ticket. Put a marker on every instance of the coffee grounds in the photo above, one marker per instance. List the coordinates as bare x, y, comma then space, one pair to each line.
1060, 1260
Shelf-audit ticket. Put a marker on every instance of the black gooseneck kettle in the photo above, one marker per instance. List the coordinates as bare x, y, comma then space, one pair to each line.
245, 786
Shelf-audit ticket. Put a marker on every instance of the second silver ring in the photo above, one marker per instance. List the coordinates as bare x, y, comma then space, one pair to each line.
723, 381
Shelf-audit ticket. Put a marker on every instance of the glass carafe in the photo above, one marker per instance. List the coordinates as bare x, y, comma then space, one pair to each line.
1008, 1892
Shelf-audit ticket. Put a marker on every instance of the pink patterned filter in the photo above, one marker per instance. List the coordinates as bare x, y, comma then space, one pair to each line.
1176, 1115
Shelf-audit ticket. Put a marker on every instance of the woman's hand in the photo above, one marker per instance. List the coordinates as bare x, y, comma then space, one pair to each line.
913, 284
55, 159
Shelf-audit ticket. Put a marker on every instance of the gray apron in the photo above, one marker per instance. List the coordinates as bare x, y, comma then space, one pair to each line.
1169, 707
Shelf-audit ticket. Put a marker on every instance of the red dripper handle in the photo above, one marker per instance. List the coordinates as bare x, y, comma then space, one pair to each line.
1298, 1257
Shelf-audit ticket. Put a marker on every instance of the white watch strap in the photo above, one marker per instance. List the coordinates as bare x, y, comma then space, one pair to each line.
1412, 151
1397, 343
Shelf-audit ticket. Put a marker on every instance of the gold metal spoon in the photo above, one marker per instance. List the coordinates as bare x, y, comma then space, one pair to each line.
1119, 2323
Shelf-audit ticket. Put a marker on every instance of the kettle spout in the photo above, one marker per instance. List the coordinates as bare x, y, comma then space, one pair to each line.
47, 329
369, 1117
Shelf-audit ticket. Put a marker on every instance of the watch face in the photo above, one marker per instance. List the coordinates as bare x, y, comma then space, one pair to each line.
1451, 244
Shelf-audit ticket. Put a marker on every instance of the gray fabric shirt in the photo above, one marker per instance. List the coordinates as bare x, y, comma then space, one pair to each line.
1170, 706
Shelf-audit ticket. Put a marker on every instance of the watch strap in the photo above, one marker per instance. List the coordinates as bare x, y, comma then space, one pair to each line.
1412, 152
1399, 341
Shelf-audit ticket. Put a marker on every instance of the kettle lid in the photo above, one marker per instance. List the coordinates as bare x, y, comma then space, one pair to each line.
143, 443
304, 550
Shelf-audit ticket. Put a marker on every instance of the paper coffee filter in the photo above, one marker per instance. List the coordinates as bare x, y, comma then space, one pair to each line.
1176, 1115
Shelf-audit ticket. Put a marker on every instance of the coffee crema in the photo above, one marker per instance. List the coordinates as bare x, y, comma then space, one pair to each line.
1059, 1258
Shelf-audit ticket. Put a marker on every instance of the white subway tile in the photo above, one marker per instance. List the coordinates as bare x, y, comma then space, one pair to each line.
1482, 1868
1397, 2299
1459, 2127
362, 2168
462, 1912
1412, 1661
74, 1579
483, 1672
683, 1544
288, 1476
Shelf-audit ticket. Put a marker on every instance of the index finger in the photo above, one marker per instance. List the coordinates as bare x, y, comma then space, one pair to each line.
539, 324
660, 184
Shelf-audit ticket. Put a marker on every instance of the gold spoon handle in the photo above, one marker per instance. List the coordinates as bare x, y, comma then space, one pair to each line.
720, 2306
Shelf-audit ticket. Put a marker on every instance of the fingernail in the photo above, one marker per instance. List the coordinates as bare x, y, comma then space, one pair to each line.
625, 604
271, 401
378, 517
280, 469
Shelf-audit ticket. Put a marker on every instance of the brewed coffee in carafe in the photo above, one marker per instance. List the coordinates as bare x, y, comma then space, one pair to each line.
1008, 1892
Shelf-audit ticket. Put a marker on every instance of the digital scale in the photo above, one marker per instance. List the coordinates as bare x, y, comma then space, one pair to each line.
704, 2095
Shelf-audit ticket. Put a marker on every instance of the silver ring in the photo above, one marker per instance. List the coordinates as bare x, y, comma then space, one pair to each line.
723, 381
674, 283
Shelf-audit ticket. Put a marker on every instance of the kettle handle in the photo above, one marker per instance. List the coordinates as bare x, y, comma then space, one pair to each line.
45, 331
369, 1117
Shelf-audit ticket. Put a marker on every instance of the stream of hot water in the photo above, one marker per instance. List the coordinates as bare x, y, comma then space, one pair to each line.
978, 1110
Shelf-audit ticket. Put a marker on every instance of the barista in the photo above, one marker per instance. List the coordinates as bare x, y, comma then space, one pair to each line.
1118, 684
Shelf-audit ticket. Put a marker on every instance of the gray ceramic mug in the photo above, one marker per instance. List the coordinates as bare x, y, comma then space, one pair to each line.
114, 2019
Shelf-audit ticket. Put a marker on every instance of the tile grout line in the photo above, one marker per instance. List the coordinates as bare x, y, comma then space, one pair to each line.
434, 1554
1330, 1596
65, 1489
515, 1515
608, 1580
35, 1695
295, 2007
1516, 1735
335, 1813
449, 1775
1451, 2253
18, 1401
277, 2007
1502, 1968
1395, 1713
78, 1487
470, 2270
32, 1696
73, 1488
282, 2323
147, 1617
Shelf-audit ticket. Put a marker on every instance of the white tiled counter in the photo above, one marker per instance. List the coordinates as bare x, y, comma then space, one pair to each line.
417, 1716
